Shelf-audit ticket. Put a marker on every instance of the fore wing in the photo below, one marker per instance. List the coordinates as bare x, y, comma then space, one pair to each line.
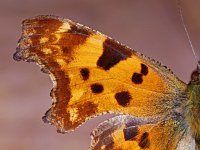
94, 74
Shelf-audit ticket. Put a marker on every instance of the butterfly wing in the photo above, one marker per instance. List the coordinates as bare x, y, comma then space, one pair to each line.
126, 132
94, 74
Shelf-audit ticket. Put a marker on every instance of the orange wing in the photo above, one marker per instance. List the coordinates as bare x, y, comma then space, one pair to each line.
93, 74
131, 133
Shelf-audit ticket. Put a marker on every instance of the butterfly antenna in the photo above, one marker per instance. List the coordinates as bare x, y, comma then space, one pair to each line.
187, 34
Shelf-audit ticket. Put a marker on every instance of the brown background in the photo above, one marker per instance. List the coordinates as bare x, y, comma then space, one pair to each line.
152, 27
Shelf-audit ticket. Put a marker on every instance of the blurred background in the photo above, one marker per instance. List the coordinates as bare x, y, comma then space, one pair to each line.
152, 27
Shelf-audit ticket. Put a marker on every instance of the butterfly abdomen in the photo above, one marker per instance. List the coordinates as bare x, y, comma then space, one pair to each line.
192, 111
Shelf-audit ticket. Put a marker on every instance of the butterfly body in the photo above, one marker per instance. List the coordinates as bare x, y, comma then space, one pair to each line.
192, 108
93, 74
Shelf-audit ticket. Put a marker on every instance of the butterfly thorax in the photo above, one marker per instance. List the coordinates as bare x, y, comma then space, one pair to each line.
192, 111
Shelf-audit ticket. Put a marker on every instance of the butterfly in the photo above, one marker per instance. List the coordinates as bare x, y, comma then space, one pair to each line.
93, 74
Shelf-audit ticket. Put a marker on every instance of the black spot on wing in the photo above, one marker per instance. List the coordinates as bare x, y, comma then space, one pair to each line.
137, 78
130, 132
144, 140
85, 73
123, 98
113, 53
144, 69
97, 88
66, 49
